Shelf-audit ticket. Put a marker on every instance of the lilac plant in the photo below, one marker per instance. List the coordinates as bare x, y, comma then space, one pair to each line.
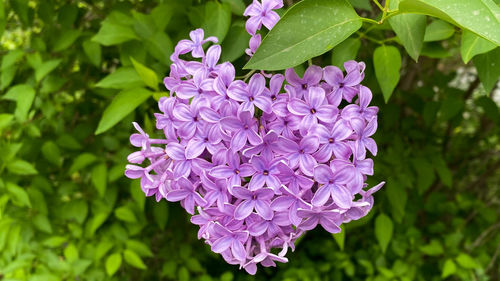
257, 166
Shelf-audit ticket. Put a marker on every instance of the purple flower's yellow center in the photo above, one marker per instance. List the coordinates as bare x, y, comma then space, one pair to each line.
246, 127
313, 110
254, 197
302, 151
331, 140
236, 171
251, 99
304, 86
265, 173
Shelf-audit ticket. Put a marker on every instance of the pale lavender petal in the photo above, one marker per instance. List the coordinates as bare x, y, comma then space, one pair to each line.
322, 195
244, 209
264, 210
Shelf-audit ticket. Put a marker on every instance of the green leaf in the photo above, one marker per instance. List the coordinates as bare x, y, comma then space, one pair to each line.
434, 248
488, 68
52, 153
361, 4
410, 29
125, 214
54, 241
19, 195
138, 247
45, 68
113, 263
23, 95
237, 6
466, 261
308, 29
449, 268
71, 253
490, 108
383, 231
2, 18
236, 42
479, 16
123, 104
147, 75
99, 177
93, 52
160, 47
442, 170
425, 172
21, 167
473, 45
217, 20
5, 119
115, 29
345, 51
66, 39
122, 78
340, 238
160, 214
162, 14
438, 30
133, 259
82, 161
137, 193
42, 223
387, 63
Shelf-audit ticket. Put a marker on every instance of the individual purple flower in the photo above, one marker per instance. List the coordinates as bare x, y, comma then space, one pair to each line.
234, 172
332, 142
182, 165
244, 128
194, 45
266, 172
251, 95
272, 227
348, 86
362, 110
253, 44
207, 137
290, 201
333, 185
186, 193
166, 121
266, 148
294, 180
313, 108
196, 87
300, 155
311, 78
216, 191
364, 133
189, 119
266, 259
330, 220
259, 200
262, 13
230, 240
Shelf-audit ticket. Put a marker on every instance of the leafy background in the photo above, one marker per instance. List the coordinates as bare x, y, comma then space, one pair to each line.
75, 74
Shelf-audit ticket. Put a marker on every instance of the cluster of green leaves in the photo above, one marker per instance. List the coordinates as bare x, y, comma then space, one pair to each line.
75, 74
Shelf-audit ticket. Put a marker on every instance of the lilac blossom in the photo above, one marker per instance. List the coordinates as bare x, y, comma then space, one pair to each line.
258, 164
312, 108
262, 13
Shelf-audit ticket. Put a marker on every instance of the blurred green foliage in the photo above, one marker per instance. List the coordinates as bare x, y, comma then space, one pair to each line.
75, 74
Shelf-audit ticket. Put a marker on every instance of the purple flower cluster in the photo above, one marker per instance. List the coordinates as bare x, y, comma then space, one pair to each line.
257, 166
260, 13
